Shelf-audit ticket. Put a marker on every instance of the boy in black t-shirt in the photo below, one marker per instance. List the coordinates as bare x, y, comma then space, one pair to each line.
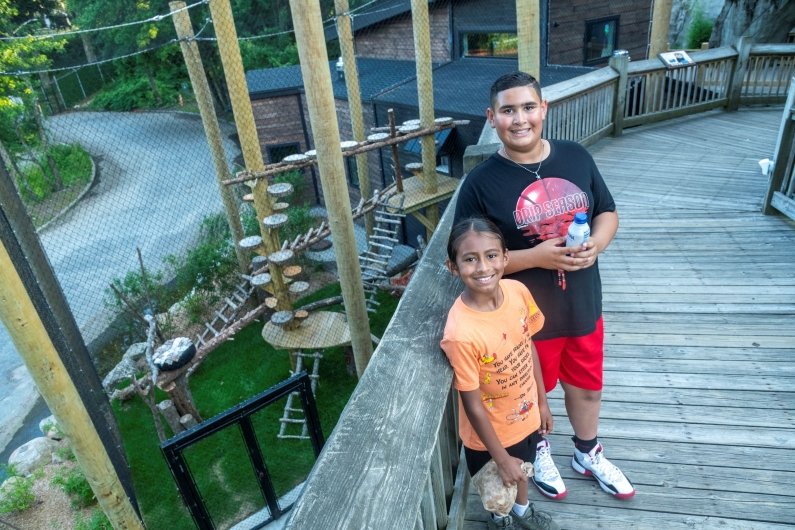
532, 188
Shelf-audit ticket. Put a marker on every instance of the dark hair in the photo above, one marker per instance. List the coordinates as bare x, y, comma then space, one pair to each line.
513, 80
481, 225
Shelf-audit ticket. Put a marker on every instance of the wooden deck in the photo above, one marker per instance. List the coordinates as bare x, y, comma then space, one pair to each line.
699, 298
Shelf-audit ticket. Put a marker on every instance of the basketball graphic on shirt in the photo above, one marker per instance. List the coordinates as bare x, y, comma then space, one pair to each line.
546, 207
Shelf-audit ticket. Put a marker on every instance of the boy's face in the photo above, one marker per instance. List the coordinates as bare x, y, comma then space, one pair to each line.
517, 116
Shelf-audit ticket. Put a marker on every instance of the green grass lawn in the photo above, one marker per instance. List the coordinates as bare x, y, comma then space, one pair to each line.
236, 371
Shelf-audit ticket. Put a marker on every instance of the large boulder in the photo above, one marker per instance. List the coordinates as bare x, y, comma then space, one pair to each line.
31, 456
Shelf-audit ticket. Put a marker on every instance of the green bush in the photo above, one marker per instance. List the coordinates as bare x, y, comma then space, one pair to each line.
134, 93
73, 482
74, 166
18, 496
700, 30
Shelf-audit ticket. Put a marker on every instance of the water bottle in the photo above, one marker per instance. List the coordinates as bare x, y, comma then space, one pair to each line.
579, 231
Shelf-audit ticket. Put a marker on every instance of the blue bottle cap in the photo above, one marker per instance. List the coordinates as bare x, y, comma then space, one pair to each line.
581, 218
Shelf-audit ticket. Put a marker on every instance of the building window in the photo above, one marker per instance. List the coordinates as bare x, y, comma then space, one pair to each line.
352, 171
277, 152
601, 39
489, 45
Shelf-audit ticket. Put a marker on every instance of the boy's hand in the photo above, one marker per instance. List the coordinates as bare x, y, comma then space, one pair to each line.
511, 471
547, 422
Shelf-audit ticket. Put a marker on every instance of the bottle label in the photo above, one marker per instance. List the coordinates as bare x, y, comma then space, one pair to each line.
577, 235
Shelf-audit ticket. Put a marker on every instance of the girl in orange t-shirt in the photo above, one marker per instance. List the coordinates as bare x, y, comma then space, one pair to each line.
487, 339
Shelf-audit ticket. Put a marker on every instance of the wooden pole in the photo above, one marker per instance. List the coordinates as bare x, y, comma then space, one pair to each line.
41, 358
201, 89
313, 55
422, 54
345, 34
229, 50
660, 24
528, 32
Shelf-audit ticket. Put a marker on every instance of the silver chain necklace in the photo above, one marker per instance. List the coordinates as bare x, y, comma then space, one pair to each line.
533, 171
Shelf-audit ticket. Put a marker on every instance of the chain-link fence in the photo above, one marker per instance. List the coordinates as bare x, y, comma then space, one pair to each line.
167, 156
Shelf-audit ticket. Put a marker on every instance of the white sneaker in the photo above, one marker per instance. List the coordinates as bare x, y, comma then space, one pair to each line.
610, 478
546, 476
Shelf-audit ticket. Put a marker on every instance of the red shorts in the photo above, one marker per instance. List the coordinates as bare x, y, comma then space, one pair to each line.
576, 361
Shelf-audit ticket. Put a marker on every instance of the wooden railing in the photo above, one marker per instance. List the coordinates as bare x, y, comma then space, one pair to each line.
392, 460
781, 190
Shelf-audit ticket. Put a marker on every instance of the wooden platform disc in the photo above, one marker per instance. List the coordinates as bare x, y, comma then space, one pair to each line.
377, 137
291, 271
411, 122
279, 206
298, 157
280, 257
275, 221
261, 279
271, 302
280, 189
298, 287
250, 242
347, 145
416, 198
248, 197
414, 167
405, 129
321, 329
443, 120
312, 153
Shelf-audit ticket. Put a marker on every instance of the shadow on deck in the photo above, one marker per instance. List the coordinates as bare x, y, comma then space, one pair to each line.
699, 299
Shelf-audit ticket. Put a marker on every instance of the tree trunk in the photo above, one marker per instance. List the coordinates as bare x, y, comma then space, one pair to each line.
45, 147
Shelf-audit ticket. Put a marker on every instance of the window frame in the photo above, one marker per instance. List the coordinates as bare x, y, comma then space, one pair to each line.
464, 45
590, 26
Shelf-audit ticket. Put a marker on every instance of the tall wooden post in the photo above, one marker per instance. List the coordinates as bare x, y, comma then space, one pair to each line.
528, 32
41, 358
620, 63
345, 34
229, 50
422, 53
201, 89
660, 24
312, 53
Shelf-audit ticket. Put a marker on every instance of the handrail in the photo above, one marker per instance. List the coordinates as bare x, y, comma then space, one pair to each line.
780, 194
388, 462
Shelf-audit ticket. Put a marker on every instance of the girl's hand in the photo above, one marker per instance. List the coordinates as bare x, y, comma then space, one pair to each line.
511, 471
551, 254
547, 422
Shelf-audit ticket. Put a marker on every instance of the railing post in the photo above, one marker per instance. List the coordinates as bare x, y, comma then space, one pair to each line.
784, 152
743, 48
620, 63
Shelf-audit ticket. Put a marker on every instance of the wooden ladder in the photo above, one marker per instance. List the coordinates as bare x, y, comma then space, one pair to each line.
227, 313
374, 261
294, 416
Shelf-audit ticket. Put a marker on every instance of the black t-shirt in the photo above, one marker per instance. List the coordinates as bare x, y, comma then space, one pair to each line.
529, 211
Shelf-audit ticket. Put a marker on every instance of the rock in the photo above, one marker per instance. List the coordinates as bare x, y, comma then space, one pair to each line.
31, 456
135, 352
174, 353
10, 484
49, 427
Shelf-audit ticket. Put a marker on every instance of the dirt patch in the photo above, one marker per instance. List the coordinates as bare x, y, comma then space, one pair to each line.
52, 508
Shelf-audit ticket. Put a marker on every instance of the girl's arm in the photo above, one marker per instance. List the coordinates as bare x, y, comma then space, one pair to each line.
543, 407
510, 467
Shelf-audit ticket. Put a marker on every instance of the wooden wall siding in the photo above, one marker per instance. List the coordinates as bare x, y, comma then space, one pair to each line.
393, 39
699, 301
567, 27
278, 121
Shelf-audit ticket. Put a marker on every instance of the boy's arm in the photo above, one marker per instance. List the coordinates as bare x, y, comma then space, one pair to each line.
510, 467
547, 422
551, 254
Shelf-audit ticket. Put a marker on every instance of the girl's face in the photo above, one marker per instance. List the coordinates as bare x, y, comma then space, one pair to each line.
480, 263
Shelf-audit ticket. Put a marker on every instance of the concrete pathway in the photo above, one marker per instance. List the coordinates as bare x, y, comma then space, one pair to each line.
156, 182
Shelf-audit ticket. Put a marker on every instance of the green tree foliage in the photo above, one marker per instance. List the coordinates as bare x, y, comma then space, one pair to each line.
700, 29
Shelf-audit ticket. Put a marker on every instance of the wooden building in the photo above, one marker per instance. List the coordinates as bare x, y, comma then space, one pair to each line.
472, 43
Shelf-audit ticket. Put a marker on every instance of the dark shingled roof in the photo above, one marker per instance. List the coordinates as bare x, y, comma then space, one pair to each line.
460, 87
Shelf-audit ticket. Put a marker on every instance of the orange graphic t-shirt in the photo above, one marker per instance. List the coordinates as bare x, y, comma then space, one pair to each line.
492, 351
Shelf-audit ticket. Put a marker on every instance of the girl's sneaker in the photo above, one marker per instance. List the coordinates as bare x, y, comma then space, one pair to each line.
534, 520
610, 478
546, 476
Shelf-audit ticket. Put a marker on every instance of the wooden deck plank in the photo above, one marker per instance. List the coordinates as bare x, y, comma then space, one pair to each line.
699, 305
